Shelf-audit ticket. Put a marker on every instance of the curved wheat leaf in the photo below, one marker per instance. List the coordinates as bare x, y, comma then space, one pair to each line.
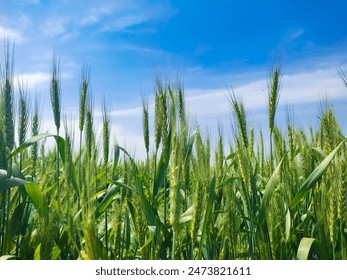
313, 178
309, 247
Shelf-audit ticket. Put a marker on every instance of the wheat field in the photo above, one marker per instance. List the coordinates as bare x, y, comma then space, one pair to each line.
186, 200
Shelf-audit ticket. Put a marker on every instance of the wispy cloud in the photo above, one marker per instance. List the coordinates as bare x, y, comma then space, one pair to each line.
138, 48
130, 112
295, 34
138, 17
55, 26
124, 23
123, 112
34, 78
312, 86
94, 15
66, 21
35, 81
40, 80
11, 34
72, 34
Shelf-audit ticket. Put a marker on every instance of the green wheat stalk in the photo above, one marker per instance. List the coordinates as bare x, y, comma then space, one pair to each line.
106, 151
56, 106
273, 98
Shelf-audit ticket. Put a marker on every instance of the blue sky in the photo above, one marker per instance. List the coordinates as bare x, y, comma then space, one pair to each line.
212, 45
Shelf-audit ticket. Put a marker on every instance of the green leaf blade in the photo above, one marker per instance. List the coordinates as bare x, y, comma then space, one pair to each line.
314, 177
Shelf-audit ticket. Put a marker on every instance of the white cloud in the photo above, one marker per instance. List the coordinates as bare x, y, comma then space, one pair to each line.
124, 112
120, 134
132, 142
106, 14
126, 17
127, 47
312, 86
35, 80
11, 34
89, 20
54, 26
94, 15
38, 81
130, 112
124, 23
70, 35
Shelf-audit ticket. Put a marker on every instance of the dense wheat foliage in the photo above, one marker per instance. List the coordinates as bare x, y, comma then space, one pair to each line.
186, 200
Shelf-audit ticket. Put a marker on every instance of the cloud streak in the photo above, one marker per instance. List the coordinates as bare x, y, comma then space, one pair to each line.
94, 16
11, 34
55, 26
134, 17
124, 23
34, 80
